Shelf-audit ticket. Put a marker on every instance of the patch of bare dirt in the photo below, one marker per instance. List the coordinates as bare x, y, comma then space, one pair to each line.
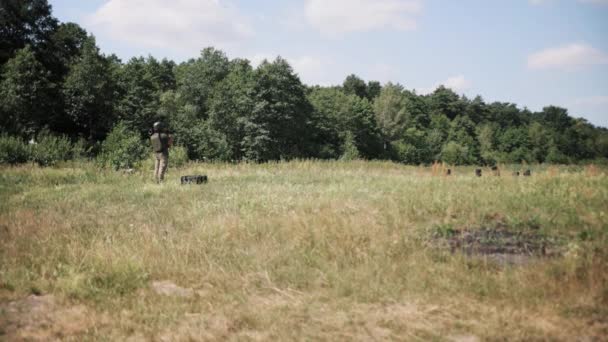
499, 243
168, 288
41, 318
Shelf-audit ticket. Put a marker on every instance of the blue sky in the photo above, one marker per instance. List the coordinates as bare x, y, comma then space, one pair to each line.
529, 52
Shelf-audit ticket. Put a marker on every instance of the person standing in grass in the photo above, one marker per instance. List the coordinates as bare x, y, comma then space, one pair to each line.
161, 142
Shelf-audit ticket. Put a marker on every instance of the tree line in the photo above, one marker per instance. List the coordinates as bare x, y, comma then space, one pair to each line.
55, 79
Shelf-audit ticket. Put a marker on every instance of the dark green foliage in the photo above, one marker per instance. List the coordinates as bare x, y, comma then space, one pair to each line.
22, 23
122, 149
178, 156
13, 150
350, 151
338, 115
49, 149
55, 80
24, 90
281, 114
89, 91
353, 85
141, 83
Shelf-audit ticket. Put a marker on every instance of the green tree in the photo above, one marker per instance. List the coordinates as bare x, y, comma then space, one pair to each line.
444, 101
232, 104
196, 78
462, 132
64, 47
24, 91
23, 23
338, 116
454, 153
353, 85
142, 82
514, 144
373, 90
282, 110
350, 151
556, 118
89, 92
505, 114
486, 136
389, 108
540, 141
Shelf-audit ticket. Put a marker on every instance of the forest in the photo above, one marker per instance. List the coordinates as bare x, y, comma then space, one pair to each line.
60, 92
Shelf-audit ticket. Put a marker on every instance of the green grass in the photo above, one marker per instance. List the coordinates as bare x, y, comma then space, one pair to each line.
306, 250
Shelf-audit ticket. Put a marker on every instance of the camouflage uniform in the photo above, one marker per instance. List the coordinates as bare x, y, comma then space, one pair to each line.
160, 144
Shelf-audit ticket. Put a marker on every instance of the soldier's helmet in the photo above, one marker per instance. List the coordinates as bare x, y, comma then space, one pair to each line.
157, 126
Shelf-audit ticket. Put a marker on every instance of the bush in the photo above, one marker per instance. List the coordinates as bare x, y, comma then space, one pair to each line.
80, 150
178, 156
350, 148
456, 154
13, 150
49, 149
122, 149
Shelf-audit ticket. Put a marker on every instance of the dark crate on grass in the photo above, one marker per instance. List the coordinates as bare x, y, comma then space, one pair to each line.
195, 179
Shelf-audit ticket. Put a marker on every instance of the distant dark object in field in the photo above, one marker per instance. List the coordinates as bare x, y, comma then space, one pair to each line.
495, 171
516, 174
527, 173
197, 179
478, 172
448, 172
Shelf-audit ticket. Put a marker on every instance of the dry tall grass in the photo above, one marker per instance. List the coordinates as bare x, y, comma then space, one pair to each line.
304, 250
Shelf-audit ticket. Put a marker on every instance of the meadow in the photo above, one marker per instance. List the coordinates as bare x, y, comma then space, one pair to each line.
301, 250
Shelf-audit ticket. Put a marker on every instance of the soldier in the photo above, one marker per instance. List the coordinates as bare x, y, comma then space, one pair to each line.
161, 142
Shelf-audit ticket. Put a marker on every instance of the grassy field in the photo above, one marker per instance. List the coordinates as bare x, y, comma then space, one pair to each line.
300, 251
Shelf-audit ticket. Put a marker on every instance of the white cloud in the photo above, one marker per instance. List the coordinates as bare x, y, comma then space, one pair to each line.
567, 57
337, 17
187, 25
592, 101
457, 83
313, 70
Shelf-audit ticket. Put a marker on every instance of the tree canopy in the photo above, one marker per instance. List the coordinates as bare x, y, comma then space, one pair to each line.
53, 78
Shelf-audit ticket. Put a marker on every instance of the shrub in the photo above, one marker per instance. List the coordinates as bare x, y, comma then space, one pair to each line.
80, 150
178, 156
50, 149
456, 154
350, 148
122, 149
13, 150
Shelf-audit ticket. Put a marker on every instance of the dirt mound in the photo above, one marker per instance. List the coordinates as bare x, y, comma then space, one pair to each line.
40, 318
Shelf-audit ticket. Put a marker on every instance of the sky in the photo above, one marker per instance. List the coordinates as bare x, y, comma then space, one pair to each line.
530, 52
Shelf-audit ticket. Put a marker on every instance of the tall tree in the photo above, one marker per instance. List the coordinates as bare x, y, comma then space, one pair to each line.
24, 94
232, 105
196, 78
389, 109
353, 85
64, 48
281, 113
373, 90
444, 101
89, 92
24, 22
142, 82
